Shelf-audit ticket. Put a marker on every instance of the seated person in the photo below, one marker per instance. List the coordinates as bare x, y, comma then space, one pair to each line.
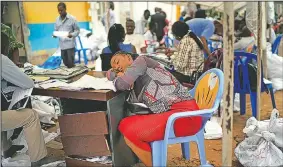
204, 29
189, 54
135, 39
116, 37
246, 41
150, 35
161, 92
26, 118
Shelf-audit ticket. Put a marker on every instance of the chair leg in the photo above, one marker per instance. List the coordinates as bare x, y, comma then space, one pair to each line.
159, 153
85, 57
272, 97
186, 150
242, 103
253, 103
201, 147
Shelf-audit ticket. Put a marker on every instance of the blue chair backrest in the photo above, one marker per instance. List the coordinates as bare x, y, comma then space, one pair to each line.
208, 91
168, 42
242, 82
276, 44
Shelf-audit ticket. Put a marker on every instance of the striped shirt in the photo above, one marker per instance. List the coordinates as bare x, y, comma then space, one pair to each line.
188, 57
68, 24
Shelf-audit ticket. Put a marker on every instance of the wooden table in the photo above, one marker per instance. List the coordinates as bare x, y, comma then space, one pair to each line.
115, 111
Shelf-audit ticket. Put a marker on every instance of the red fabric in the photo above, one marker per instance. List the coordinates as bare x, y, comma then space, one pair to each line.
143, 129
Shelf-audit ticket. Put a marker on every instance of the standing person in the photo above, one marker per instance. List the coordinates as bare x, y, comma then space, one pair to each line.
142, 25
135, 39
159, 21
200, 13
182, 17
116, 38
67, 22
204, 29
109, 17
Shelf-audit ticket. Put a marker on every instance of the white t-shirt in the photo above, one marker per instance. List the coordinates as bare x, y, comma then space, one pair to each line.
137, 40
273, 35
149, 37
244, 42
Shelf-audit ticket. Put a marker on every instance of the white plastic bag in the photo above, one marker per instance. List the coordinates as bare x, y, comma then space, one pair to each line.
19, 160
262, 147
45, 111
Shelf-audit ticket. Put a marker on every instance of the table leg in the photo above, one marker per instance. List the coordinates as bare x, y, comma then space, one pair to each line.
121, 153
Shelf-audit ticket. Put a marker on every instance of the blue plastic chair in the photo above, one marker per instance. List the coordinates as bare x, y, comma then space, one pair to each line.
276, 44
168, 42
83, 50
241, 60
214, 78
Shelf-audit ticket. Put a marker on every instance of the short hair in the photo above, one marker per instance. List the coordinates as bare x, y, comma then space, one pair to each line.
198, 6
187, 19
62, 4
130, 20
146, 11
111, 5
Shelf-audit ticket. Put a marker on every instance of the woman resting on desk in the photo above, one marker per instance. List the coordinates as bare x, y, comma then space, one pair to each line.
116, 37
189, 55
154, 86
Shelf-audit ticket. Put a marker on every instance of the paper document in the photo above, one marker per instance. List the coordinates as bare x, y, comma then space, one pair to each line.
62, 34
20, 98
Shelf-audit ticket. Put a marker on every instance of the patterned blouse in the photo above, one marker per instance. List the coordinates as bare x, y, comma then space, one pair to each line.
153, 85
188, 57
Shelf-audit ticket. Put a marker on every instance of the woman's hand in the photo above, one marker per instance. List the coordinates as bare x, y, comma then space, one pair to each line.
169, 52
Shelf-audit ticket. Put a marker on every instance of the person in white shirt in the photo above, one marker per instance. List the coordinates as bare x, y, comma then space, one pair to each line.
273, 35
109, 16
141, 25
246, 41
135, 39
150, 34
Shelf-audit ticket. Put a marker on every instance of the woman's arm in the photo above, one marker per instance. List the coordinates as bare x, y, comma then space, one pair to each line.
124, 82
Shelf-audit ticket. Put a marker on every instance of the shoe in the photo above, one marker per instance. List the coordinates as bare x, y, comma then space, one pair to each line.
12, 150
45, 160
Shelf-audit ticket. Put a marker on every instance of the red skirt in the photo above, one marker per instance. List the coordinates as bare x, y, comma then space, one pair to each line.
143, 129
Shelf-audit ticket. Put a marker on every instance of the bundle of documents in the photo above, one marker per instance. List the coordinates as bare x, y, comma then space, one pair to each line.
85, 82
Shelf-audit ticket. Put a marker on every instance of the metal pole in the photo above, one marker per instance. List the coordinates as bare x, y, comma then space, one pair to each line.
228, 59
259, 55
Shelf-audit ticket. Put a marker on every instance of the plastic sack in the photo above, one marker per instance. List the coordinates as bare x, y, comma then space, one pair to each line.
262, 147
52, 63
18, 160
45, 111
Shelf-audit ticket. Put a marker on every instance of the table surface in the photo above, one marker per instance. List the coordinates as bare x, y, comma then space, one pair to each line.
99, 95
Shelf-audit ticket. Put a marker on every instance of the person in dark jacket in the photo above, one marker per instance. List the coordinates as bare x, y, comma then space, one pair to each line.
159, 21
